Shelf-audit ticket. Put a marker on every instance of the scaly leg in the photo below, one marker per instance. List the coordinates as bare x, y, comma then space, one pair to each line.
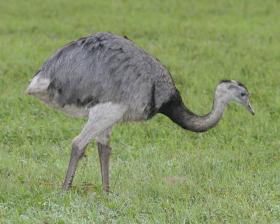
104, 152
76, 154
101, 118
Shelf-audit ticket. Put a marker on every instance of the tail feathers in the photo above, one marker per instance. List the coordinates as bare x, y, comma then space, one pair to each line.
38, 85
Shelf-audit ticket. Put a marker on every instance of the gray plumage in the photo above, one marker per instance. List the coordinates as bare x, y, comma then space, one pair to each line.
108, 79
108, 68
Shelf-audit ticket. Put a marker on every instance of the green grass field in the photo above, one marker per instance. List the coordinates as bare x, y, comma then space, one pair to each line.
159, 172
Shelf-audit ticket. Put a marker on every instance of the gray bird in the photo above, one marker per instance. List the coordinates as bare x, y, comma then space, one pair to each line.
109, 79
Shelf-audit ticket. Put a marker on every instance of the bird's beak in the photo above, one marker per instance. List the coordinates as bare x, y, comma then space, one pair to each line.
250, 108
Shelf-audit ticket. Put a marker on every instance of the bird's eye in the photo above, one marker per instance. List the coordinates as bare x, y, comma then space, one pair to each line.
243, 94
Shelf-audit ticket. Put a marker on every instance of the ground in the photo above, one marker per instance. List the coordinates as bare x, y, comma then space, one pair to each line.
159, 172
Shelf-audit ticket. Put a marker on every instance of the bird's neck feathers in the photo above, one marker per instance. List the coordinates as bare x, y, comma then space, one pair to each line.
180, 114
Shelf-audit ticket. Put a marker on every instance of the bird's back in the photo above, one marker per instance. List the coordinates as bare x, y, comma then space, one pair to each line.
107, 68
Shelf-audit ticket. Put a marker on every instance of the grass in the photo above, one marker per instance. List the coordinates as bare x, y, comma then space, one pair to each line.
159, 172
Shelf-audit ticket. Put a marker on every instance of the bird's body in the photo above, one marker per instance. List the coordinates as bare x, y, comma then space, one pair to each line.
108, 79
106, 68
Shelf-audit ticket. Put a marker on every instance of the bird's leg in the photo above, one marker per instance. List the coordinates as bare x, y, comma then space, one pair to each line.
101, 118
76, 154
104, 152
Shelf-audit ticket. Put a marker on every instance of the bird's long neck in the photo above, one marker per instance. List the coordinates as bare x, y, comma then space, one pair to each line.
180, 114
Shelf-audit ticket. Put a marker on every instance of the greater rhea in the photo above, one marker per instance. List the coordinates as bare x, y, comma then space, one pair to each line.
109, 79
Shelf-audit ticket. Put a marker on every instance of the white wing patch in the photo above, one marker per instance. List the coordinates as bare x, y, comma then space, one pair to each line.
38, 85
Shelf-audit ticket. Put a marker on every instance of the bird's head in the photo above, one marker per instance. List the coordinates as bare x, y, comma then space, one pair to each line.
231, 90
